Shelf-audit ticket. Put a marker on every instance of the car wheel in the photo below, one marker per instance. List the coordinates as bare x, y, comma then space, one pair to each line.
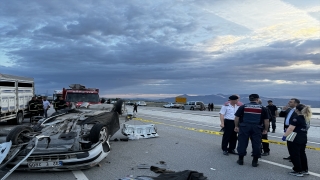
19, 135
192, 108
98, 132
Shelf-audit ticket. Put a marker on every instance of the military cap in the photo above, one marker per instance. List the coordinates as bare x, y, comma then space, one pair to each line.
253, 96
233, 97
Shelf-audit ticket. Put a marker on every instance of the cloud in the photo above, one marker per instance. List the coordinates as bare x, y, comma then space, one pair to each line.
135, 48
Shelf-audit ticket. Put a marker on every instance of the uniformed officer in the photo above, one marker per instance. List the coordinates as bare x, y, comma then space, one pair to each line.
55, 103
227, 122
265, 145
40, 106
250, 126
61, 104
33, 107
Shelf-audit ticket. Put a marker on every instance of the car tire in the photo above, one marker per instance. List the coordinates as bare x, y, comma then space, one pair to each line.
99, 132
182, 108
16, 135
192, 108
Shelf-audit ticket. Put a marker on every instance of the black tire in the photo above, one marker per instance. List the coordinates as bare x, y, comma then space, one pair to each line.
16, 135
96, 133
182, 108
192, 108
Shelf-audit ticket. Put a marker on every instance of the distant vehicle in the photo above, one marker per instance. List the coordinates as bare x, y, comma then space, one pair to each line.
15, 94
172, 105
141, 103
130, 103
181, 100
193, 105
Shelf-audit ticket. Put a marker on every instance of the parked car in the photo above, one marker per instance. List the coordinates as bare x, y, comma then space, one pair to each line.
141, 103
172, 105
193, 105
78, 138
130, 103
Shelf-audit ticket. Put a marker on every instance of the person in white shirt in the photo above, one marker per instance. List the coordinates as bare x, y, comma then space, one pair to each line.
227, 123
46, 106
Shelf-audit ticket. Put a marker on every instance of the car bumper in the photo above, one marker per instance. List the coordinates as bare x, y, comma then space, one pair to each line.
64, 161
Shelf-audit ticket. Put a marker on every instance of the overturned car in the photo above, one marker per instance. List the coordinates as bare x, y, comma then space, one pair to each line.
70, 139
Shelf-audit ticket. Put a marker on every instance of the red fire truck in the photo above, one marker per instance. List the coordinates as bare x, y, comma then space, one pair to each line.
80, 94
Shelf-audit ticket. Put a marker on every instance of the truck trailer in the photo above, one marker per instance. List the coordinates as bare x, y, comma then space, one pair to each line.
15, 94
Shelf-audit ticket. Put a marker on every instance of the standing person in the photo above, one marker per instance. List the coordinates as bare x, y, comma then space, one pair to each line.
46, 106
297, 147
250, 126
227, 122
274, 111
33, 107
61, 104
212, 106
265, 146
40, 106
209, 106
288, 112
55, 103
135, 108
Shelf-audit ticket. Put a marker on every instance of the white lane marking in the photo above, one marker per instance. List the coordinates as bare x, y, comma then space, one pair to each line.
212, 126
284, 166
80, 175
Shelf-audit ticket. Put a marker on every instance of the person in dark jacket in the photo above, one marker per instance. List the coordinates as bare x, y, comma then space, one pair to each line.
288, 112
33, 107
61, 104
250, 126
265, 145
297, 145
274, 111
135, 108
55, 103
40, 106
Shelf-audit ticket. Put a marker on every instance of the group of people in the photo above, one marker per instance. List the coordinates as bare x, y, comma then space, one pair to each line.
210, 106
39, 106
241, 122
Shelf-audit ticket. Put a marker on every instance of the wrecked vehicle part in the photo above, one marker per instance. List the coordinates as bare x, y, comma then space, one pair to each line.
139, 131
4, 170
79, 139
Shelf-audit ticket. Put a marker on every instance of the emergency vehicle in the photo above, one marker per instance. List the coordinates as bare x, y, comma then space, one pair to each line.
80, 94
15, 94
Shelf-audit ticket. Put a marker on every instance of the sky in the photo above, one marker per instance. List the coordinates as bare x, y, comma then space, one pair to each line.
165, 48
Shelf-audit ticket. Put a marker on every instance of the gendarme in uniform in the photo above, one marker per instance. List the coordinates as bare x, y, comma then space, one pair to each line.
250, 126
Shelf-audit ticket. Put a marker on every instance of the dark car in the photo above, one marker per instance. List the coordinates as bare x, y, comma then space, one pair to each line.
75, 139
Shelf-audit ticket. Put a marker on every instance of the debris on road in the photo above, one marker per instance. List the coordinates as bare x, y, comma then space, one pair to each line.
139, 131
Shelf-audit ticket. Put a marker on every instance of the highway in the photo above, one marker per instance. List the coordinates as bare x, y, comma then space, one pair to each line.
188, 140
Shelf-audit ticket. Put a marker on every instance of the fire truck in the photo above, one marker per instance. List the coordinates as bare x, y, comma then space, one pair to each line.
80, 94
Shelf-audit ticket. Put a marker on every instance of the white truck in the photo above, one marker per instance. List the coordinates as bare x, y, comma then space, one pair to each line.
15, 93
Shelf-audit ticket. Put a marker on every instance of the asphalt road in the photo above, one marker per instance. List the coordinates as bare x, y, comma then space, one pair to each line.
184, 144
